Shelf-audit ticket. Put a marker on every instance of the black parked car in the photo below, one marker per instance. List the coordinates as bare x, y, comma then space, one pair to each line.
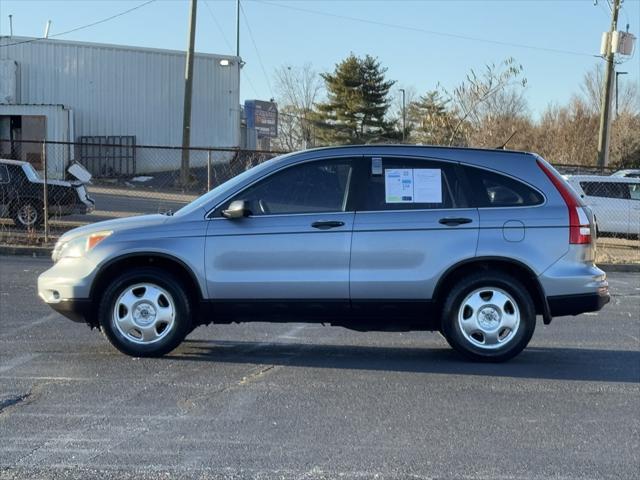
22, 195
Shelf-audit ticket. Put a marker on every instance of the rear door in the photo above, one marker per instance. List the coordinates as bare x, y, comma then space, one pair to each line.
295, 245
412, 223
634, 208
610, 202
4, 191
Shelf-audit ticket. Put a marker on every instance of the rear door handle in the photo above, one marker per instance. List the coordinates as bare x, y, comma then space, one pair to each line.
327, 224
452, 222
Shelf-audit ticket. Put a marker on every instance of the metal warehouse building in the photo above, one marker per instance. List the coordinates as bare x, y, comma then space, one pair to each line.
76, 91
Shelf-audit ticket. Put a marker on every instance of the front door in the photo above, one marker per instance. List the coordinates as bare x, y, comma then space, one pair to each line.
293, 247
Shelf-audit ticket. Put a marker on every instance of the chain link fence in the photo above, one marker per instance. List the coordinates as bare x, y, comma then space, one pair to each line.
126, 180
129, 179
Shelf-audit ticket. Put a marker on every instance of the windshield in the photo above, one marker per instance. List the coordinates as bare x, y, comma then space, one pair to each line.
30, 172
206, 199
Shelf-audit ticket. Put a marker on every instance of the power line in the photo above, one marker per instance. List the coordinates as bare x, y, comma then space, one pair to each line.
215, 20
255, 46
81, 27
429, 32
224, 37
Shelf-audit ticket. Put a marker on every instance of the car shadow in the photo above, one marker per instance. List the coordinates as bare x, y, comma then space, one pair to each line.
535, 362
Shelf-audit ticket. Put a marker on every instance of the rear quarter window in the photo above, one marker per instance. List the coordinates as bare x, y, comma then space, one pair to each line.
491, 189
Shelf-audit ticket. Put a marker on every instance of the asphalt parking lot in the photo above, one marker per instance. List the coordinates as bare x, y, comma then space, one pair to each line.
301, 401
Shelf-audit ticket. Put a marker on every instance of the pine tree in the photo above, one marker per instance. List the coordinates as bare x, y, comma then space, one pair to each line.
357, 103
432, 121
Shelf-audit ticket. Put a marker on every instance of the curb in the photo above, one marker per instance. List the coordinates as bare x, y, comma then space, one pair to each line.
46, 252
26, 251
619, 267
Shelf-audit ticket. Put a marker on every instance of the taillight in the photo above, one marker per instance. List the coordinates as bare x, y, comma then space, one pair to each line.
579, 227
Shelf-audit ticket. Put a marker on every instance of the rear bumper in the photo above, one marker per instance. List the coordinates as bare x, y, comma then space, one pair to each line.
561, 305
80, 208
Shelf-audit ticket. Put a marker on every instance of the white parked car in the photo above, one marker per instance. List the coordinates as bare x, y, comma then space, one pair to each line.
630, 173
615, 201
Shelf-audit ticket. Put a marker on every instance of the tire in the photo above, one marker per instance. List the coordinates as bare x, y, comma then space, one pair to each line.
145, 313
28, 213
488, 317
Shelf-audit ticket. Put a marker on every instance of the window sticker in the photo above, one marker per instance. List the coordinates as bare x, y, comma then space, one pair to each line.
407, 185
376, 166
427, 185
398, 185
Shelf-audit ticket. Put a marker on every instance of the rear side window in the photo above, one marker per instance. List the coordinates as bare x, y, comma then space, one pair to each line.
606, 189
491, 189
409, 184
634, 191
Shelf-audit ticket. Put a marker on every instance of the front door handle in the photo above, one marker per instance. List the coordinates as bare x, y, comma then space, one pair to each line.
452, 222
326, 225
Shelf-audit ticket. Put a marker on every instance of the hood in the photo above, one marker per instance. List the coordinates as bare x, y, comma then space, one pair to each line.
61, 183
116, 225
79, 172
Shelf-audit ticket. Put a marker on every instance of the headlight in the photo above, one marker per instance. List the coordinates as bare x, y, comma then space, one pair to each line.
78, 246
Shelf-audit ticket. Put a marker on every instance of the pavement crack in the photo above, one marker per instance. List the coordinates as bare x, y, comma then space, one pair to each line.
256, 375
13, 400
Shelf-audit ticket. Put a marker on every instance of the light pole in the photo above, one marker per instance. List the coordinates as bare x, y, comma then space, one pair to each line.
617, 74
404, 115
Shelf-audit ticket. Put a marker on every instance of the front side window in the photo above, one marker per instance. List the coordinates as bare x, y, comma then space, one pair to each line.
318, 186
492, 189
410, 184
30, 172
4, 174
634, 191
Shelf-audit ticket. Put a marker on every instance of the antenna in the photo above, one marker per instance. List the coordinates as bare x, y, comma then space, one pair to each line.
503, 146
46, 29
10, 25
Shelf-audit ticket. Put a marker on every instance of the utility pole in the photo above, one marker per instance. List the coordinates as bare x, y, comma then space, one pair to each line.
237, 28
617, 75
404, 114
188, 91
240, 63
605, 107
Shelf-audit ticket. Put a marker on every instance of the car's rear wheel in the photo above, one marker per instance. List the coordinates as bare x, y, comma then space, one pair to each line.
28, 214
489, 317
145, 313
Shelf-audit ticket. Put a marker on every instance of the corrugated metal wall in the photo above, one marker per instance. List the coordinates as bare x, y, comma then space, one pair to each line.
118, 90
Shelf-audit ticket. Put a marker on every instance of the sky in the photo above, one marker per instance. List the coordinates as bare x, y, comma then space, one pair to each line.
422, 43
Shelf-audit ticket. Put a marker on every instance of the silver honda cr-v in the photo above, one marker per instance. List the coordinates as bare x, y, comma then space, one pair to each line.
472, 243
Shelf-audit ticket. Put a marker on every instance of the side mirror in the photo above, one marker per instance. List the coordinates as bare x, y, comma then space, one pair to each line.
236, 209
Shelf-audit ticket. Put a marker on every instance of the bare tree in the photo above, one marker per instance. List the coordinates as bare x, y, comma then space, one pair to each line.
474, 97
297, 89
593, 85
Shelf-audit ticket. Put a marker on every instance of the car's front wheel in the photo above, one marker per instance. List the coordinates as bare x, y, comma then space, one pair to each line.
145, 313
489, 317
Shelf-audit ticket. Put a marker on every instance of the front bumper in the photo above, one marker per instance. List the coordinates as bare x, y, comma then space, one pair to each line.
77, 310
66, 287
561, 305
